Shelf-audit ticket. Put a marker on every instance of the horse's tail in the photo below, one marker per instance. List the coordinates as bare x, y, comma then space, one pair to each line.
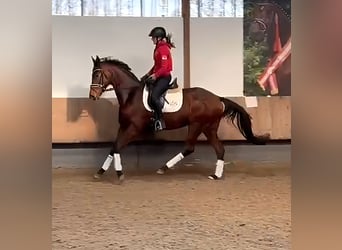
233, 110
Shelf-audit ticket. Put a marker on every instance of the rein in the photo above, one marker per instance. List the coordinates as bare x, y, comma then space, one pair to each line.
101, 85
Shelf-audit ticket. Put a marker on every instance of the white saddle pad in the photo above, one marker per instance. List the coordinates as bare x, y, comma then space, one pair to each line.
173, 103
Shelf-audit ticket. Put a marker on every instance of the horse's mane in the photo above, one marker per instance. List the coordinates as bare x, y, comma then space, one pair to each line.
283, 10
121, 65
279, 4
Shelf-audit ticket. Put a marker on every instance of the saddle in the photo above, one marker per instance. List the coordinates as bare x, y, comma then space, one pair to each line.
172, 85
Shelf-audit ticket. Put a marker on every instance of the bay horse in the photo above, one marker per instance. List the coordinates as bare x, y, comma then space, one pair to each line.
272, 23
201, 111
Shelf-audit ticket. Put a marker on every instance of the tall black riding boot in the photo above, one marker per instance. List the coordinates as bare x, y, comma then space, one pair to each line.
159, 123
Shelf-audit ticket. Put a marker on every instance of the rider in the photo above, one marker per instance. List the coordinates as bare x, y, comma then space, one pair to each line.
160, 74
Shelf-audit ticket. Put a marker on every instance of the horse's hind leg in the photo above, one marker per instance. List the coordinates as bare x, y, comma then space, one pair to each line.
194, 131
211, 134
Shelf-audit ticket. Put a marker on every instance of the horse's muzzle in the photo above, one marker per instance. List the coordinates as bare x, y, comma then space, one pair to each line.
257, 36
92, 97
256, 33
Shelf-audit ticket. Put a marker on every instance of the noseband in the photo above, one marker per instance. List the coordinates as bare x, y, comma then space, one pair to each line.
101, 84
262, 23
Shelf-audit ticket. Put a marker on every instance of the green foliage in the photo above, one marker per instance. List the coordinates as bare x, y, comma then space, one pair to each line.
255, 59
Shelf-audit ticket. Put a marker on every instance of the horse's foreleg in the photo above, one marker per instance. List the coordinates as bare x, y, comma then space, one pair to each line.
124, 137
211, 134
193, 132
106, 163
113, 154
117, 164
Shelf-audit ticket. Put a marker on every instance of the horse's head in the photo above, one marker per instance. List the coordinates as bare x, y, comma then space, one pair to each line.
108, 71
262, 17
266, 16
101, 79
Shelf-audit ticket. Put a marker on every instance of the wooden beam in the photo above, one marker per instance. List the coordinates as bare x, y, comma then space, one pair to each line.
186, 41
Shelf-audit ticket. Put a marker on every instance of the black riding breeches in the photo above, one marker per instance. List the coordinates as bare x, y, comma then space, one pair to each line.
159, 87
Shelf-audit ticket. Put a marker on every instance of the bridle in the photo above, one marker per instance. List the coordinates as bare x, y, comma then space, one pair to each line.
101, 84
262, 23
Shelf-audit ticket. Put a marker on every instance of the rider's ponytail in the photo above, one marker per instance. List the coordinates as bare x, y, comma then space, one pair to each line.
168, 40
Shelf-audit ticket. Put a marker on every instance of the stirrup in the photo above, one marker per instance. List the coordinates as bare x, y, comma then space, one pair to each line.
158, 125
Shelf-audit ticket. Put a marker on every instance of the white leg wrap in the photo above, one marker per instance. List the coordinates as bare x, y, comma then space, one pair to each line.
117, 162
219, 168
174, 160
107, 162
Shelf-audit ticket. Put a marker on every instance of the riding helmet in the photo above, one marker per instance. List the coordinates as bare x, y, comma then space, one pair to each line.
158, 32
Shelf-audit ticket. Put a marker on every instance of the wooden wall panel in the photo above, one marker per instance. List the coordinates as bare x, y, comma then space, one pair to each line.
83, 120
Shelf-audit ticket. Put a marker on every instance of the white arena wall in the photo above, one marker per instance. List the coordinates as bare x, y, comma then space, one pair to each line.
216, 59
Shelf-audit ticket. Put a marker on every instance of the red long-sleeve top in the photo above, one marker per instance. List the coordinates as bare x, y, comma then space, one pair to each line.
162, 60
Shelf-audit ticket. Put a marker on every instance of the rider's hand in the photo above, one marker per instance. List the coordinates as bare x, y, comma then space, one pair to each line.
152, 78
144, 77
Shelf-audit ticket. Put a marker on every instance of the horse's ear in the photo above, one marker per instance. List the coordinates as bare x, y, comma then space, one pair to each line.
92, 58
252, 3
97, 58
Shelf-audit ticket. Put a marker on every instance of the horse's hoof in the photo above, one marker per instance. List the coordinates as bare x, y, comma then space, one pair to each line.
213, 177
160, 171
121, 178
97, 176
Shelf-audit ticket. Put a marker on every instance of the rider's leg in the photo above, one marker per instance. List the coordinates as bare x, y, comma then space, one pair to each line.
160, 86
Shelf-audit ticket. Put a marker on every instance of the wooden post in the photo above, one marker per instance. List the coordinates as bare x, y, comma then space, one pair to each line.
186, 41
142, 8
82, 7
